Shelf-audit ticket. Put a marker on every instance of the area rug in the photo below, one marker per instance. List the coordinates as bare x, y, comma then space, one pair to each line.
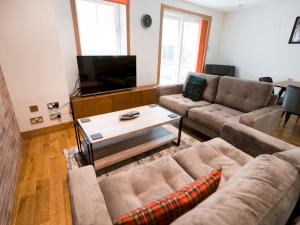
74, 160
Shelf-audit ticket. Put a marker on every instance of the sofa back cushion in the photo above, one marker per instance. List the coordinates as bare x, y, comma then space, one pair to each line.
243, 95
263, 192
211, 89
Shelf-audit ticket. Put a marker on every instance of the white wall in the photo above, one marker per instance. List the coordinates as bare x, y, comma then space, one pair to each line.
38, 52
31, 59
64, 24
256, 41
145, 42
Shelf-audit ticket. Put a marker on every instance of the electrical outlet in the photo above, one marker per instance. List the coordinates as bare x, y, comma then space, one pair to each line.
36, 120
55, 116
53, 105
33, 108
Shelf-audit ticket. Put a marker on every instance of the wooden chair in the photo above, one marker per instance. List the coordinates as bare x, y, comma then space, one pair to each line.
270, 80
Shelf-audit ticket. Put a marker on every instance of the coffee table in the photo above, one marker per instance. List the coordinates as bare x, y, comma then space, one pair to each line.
104, 140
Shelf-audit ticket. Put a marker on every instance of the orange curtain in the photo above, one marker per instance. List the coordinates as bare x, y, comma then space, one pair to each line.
202, 45
124, 2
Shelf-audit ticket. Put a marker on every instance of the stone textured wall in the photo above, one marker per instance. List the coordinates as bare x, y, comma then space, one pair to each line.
10, 151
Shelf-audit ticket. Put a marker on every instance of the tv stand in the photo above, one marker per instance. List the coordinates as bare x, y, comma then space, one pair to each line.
86, 106
107, 92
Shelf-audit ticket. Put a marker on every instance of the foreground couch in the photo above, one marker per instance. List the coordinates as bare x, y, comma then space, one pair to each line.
257, 191
225, 99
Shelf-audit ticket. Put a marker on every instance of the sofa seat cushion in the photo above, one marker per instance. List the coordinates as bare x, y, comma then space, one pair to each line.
243, 95
168, 208
179, 104
263, 192
127, 191
214, 116
198, 160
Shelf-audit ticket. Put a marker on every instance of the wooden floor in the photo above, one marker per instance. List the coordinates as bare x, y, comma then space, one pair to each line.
291, 132
42, 196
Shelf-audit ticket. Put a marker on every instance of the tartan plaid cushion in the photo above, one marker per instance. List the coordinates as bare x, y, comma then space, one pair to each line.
167, 209
194, 88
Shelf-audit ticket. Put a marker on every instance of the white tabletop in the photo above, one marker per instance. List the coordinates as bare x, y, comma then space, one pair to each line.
284, 84
110, 126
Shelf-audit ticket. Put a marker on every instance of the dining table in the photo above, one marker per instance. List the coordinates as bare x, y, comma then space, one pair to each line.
284, 84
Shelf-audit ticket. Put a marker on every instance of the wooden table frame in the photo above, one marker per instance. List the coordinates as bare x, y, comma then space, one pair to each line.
90, 158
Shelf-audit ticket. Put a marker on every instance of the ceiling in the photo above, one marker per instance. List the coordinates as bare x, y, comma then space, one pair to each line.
232, 5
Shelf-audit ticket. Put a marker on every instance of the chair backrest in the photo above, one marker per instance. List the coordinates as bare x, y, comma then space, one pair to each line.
221, 70
291, 102
266, 79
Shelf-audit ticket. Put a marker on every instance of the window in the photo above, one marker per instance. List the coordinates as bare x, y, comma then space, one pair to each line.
102, 27
168, 53
180, 41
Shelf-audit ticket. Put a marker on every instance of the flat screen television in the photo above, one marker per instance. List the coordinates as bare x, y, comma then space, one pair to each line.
101, 74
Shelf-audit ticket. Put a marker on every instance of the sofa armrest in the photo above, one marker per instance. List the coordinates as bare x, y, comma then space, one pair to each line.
87, 202
291, 156
266, 119
169, 89
251, 141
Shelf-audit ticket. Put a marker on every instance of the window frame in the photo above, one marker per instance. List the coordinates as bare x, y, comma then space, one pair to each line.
165, 8
182, 18
77, 33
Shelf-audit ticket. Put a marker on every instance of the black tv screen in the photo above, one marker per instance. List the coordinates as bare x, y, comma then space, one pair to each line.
99, 74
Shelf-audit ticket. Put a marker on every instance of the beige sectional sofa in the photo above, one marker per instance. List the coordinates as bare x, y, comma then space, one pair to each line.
225, 99
257, 191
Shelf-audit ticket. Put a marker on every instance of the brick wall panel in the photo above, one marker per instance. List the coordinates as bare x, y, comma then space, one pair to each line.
10, 151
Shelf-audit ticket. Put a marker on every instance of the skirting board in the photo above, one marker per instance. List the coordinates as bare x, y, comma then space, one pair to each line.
45, 130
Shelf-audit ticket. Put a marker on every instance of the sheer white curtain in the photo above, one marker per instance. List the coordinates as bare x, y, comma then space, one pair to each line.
102, 27
180, 45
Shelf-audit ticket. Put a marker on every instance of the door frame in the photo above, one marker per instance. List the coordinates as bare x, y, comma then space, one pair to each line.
184, 11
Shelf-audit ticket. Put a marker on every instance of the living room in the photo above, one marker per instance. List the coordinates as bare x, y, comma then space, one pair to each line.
185, 90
